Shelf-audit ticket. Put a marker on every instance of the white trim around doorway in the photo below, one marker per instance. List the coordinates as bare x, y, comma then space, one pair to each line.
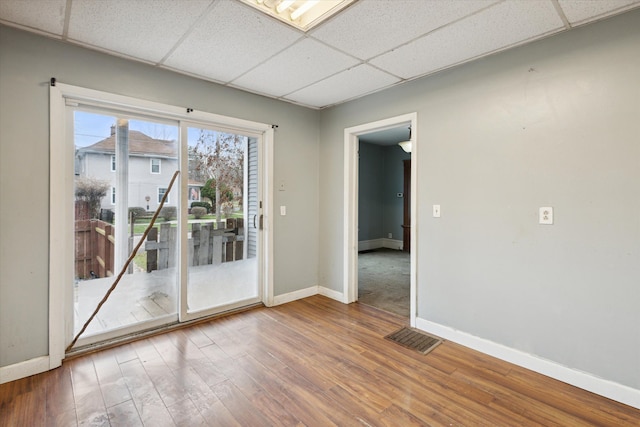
61, 247
350, 218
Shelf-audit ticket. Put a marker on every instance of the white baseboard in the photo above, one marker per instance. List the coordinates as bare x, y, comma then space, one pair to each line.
295, 295
366, 245
307, 292
330, 293
609, 389
24, 369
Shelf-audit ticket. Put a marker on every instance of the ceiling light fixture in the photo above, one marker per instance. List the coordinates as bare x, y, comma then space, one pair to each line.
301, 14
406, 145
284, 5
302, 9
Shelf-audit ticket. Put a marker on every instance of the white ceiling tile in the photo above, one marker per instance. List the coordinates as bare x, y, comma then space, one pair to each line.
580, 11
44, 15
500, 26
300, 65
348, 84
372, 27
144, 29
231, 40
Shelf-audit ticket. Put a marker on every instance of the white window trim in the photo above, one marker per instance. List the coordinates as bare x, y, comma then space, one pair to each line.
61, 166
159, 165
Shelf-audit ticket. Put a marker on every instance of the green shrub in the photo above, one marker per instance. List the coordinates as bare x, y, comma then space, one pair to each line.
169, 213
205, 205
198, 212
137, 212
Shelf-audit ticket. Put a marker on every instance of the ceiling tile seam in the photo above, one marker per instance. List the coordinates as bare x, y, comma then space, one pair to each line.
537, 37
30, 29
187, 33
561, 14
190, 74
235, 87
606, 15
361, 60
108, 51
377, 67
323, 79
353, 98
67, 19
430, 32
248, 70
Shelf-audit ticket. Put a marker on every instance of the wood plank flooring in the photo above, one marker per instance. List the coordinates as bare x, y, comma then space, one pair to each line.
313, 362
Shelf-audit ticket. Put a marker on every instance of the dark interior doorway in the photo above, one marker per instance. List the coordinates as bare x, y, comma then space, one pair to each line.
384, 231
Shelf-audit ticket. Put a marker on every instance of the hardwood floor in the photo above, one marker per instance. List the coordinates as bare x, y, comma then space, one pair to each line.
313, 362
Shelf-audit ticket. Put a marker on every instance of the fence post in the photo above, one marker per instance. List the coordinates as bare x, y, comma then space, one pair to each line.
108, 250
152, 254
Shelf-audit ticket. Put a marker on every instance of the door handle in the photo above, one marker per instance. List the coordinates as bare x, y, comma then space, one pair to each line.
254, 221
261, 221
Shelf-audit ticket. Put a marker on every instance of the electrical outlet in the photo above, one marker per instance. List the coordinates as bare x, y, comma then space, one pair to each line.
390, 236
545, 215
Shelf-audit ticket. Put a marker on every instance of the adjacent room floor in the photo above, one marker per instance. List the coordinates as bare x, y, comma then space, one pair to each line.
384, 280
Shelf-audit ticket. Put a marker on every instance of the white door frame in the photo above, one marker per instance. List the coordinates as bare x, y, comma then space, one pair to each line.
350, 243
61, 243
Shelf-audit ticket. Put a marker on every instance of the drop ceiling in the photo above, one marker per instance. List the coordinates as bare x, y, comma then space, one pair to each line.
369, 46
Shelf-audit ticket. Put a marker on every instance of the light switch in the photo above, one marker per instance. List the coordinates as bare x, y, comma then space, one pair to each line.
283, 210
546, 215
436, 211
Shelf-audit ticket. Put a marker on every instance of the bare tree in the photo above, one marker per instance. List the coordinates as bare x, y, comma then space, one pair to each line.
219, 159
91, 190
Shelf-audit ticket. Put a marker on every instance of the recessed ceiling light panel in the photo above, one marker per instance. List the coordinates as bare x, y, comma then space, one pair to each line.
301, 14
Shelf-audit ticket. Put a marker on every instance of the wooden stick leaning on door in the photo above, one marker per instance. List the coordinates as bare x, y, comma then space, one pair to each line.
126, 264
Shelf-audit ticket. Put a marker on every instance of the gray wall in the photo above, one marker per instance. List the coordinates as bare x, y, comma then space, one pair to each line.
393, 208
555, 123
27, 62
370, 182
380, 178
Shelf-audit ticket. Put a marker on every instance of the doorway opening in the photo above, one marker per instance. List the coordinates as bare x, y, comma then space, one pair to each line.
384, 266
353, 137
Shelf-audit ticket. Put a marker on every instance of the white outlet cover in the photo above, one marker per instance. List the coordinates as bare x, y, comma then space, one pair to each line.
545, 215
436, 211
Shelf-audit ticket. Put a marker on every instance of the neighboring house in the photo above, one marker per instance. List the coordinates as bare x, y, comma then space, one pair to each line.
152, 163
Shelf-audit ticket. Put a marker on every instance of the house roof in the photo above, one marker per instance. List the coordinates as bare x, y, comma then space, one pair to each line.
139, 144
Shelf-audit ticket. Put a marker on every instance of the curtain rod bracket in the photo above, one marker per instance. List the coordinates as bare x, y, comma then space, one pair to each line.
53, 81
189, 110
274, 126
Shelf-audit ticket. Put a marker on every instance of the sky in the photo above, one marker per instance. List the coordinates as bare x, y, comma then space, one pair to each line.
90, 128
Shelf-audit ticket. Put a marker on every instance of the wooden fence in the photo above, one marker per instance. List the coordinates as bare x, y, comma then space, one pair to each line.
210, 243
94, 248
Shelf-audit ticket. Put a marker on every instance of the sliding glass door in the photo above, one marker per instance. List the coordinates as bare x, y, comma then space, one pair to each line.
202, 254
122, 170
222, 235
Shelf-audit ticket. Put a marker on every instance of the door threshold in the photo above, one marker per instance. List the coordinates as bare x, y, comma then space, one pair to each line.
127, 339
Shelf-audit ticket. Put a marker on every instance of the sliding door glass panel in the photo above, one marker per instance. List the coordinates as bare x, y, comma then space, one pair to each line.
222, 249
123, 167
